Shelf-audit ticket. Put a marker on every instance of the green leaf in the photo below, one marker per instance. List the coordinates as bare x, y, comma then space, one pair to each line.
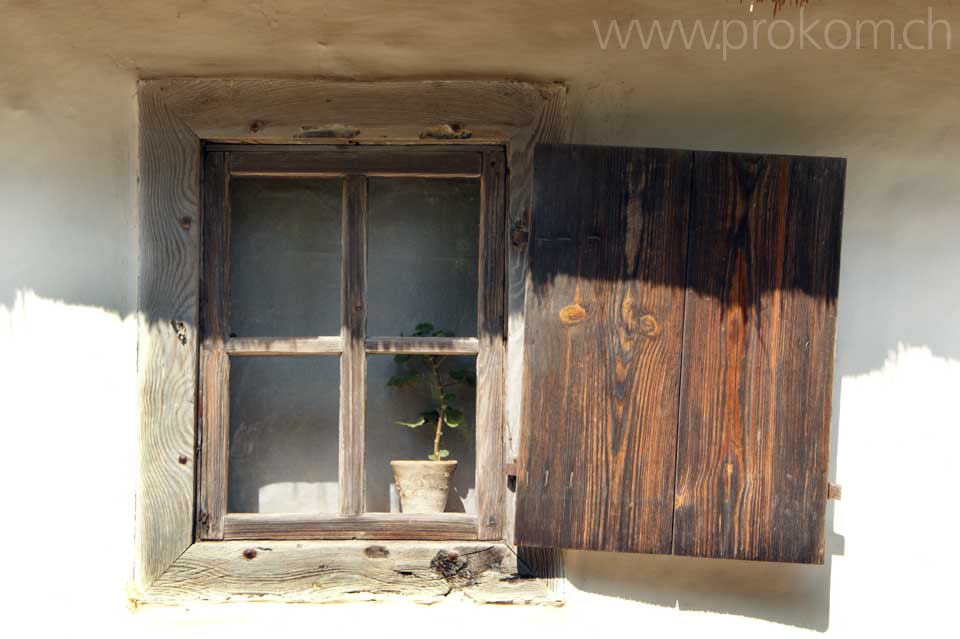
464, 377
443, 453
405, 379
454, 417
419, 422
423, 329
430, 416
442, 333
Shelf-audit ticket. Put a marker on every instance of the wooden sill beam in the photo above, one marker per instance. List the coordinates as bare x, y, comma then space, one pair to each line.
345, 571
444, 526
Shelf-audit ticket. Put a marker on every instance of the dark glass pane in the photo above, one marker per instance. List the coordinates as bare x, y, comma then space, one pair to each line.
283, 450
386, 440
423, 239
284, 257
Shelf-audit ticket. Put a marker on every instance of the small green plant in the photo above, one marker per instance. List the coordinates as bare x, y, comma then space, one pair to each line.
431, 370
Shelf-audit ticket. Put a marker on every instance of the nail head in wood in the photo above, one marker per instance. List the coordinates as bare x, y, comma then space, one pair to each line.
181, 330
182, 459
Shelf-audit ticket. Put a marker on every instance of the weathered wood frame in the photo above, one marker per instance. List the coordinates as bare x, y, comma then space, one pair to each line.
353, 166
176, 116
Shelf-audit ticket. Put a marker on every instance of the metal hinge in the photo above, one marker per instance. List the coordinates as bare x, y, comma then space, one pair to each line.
834, 492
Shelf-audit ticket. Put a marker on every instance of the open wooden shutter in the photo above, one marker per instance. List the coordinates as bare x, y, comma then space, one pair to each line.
758, 357
603, 330
679, 326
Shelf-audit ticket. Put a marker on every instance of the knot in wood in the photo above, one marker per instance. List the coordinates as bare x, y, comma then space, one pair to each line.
451, 566
649, 326
249, 553
376, 552
572, 314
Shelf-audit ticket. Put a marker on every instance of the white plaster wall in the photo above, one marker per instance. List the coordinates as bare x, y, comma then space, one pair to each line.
68, 279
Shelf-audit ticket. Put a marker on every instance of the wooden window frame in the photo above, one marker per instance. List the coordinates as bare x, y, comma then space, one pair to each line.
176, 118
354, 166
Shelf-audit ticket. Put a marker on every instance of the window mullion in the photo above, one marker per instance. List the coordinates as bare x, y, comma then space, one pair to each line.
353, 364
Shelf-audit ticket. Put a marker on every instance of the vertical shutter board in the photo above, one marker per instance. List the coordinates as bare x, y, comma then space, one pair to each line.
604, 310
753, 443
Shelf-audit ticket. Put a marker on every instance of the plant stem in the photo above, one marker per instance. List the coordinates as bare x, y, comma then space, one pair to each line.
437, 380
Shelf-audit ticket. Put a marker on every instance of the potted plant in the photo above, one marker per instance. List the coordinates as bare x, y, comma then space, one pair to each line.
424, 484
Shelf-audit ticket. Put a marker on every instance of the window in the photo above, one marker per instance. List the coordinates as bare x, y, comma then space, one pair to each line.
675, 333
323, 271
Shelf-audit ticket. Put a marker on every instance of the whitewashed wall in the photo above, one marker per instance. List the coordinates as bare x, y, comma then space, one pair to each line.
68, 281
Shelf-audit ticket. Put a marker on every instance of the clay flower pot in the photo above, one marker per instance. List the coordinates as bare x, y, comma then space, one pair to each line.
423, 485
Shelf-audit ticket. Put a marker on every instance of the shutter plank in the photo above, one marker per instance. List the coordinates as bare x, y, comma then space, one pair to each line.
759, 331
603, 337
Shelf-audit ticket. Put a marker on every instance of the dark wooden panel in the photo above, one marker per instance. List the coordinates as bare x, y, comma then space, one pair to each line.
604, 311
383, 161
214, 360
758, 357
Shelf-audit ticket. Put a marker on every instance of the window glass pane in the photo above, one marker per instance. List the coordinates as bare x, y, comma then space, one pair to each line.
283, 450
284, 257
423, 239
386, 440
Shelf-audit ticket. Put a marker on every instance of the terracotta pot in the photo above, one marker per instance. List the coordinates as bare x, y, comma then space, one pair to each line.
423, 485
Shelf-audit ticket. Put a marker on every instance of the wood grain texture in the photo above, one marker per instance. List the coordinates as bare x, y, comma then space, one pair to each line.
424, 345
331, 572
169, 176
371, 161
263, 346
758, 357
225, 110
548, 125
214, 360
353, 362
491, 307
601, 381
368, 526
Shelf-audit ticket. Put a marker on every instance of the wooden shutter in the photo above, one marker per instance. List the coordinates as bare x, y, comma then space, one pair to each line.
758, 357
680, 322
603, 336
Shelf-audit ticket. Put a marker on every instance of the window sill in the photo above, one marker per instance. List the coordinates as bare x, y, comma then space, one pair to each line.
346, 571
443, 526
